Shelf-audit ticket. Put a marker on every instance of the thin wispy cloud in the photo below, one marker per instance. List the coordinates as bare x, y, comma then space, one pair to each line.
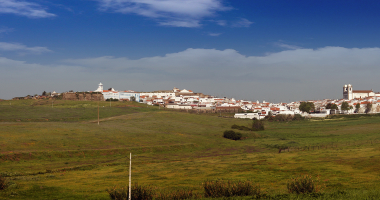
6, 30
214, 34
24, 8
22, 49
222, 22
286, 46
242, 23
184, 13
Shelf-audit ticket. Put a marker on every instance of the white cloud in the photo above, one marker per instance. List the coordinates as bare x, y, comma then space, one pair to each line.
299, 74
242, 23
5, 46
23, 8
221, 22
287, 46
214, 34
184, 13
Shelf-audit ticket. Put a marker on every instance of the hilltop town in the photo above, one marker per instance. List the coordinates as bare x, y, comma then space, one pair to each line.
353, 101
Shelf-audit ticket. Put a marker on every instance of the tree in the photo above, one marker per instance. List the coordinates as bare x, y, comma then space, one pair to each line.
368, 107
345, 106
357, 106
306, 107
132, 98
332, 106
44, 93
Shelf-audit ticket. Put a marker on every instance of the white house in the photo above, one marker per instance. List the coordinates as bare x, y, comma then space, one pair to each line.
247, 115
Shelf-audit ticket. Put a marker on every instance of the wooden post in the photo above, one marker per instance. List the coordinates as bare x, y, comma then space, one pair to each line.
130, 174
98, 112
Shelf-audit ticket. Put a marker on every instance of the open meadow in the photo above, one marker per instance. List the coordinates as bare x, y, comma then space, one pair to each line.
57, 150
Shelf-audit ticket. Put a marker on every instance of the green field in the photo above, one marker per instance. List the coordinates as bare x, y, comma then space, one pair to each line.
60, 151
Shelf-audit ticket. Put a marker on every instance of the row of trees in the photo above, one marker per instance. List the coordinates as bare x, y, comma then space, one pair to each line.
309, 106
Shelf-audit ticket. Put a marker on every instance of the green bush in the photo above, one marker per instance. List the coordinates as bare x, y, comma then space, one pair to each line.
179, 194
137, 193
221, 188
257, 125
286, 118
3, 183
298, 117
230, 134
304, 185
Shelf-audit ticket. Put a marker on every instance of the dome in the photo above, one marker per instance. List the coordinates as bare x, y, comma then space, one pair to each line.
345, 85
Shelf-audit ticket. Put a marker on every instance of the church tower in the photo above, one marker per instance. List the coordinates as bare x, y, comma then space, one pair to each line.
347, 92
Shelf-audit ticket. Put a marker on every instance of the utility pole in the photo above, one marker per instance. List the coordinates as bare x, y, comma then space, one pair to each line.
130, 174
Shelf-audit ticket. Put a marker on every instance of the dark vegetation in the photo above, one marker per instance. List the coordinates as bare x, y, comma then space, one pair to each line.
304, 185
307, 107
139, 192
222, 188
232, 135
332, 106
285, 118
3, 183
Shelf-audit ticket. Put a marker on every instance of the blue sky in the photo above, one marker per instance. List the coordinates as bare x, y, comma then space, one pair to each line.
270, 50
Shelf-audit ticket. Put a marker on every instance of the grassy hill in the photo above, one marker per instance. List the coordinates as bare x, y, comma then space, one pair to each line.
60, 152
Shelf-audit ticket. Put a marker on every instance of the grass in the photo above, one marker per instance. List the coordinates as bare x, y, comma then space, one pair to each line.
74, 158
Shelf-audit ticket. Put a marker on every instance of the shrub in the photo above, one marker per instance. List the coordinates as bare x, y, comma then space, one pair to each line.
282, 118
304, 185
298, 117
235, 126
257, 125
220, 188
3, 183
179, 194
138, 192
230, 134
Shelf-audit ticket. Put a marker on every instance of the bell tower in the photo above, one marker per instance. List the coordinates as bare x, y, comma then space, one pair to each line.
347, 92
350, 92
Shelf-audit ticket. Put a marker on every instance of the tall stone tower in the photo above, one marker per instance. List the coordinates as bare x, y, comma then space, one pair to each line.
347, 92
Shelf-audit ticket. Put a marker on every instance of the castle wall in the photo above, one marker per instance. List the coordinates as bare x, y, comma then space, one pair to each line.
82, 96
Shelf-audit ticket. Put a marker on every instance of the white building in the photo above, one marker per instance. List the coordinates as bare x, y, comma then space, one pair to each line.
248, 116
100, 88
349, 93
